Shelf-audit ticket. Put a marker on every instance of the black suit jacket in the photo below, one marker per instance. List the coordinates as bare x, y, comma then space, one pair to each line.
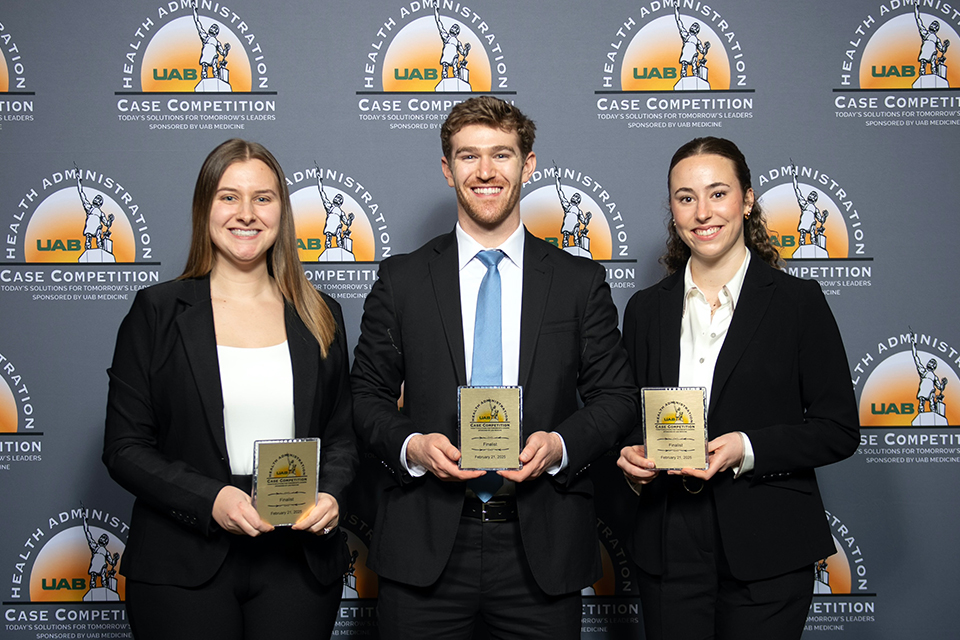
164, 440
782, 378
412, 334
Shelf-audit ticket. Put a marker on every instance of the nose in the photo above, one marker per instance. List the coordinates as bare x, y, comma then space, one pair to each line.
245, 212
486, 168
703, 212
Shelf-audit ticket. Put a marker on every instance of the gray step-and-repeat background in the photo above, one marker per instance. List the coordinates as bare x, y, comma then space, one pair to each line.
107, 99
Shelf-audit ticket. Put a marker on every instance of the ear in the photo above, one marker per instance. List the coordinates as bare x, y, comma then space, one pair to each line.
447, 170
529, 166
748, 200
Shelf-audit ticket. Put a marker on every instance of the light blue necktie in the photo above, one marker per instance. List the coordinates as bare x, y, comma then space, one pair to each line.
488, 350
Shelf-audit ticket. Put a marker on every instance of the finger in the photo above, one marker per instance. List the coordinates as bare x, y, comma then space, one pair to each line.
323, 526
462, 475
644, 477
449, 471
648, 477
322, 518
245, 527
534, 468
702, 474
641, 479
537, 455
308, 519
636, 469
253, 521
443, 467
636, 456
234, 521
636, 460
517, 475
640, 472
450, 452
630, 449
327, 521
529, 451
332, 524
708, 473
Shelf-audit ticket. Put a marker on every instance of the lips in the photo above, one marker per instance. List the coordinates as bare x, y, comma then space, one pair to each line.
706, 232
487, 191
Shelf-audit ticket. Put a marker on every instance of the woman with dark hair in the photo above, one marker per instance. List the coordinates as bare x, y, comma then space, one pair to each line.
239, 348
729, 552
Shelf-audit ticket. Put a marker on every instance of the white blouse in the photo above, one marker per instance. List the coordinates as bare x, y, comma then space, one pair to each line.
257, 386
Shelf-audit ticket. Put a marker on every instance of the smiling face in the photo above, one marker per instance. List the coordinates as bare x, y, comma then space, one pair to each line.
245, 215
487, 170
708, 206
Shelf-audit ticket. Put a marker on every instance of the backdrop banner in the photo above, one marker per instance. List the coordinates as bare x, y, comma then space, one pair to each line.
848, 114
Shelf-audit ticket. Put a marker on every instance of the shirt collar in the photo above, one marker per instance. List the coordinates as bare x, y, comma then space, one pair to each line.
467, 247
732, 288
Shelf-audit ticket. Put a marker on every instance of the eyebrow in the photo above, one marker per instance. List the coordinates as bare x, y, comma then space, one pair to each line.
712, 185
257, 192
493, 149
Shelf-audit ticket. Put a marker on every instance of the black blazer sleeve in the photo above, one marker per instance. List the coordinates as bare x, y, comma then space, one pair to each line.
829, 430
378, 373
603, 383
338, 446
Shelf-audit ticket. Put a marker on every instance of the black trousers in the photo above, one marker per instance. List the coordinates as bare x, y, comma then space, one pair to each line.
487, 579
263, 590
698, 598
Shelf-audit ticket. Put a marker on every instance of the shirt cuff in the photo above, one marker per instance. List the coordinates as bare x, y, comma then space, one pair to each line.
564, 462
414, 470
749, 461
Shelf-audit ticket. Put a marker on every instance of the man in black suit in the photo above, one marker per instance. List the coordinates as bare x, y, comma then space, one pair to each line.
444, 556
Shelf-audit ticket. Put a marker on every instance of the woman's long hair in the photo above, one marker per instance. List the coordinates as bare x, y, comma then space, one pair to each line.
283, 261
755, 234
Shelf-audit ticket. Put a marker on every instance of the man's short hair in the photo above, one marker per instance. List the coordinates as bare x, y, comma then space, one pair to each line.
491, 112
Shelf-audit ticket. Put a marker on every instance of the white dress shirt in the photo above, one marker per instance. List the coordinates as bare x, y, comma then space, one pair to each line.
471, 272
511, 294
701, 338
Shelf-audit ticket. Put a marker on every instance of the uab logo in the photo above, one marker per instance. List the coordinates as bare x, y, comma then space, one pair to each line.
61, 584
416, 74
174, 74
58, 244
894, 71
310, 244
886, 408
662, 73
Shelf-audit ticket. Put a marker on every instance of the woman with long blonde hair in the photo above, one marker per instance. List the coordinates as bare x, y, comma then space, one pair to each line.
239, 348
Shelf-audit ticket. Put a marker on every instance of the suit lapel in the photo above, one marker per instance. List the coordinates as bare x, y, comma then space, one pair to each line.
537, 276
196, 328
305, 362
671, 315
445, 277
755, 295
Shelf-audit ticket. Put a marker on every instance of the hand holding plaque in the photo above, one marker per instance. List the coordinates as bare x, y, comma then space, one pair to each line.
490, 427
286, 475
675, 426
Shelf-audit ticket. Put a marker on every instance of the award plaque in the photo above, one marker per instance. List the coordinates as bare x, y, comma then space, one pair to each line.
285, 477
490, 435
675, 426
